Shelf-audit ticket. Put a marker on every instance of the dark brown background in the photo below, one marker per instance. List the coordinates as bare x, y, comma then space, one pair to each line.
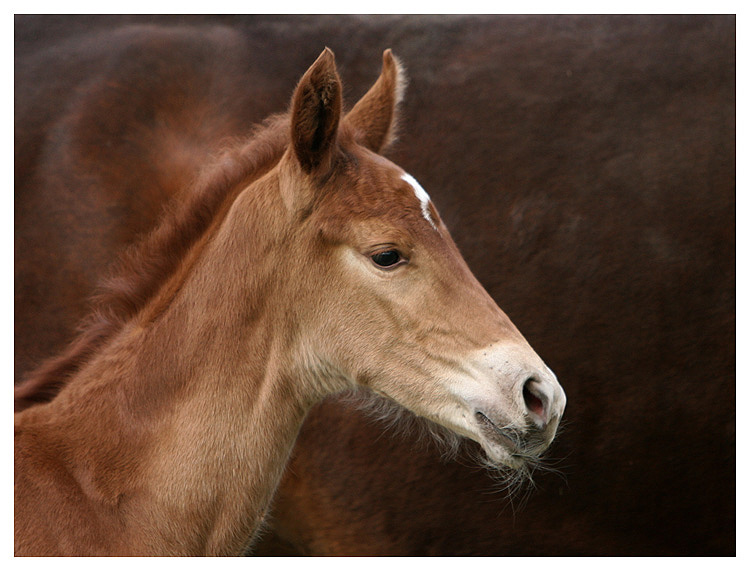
586, 168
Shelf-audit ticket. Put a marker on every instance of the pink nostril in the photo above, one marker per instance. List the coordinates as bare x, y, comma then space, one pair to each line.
535, 401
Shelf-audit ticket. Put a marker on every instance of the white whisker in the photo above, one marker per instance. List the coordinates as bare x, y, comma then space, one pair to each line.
516, 483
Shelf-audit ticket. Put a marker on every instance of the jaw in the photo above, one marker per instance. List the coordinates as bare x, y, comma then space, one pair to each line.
508, 438
500, 450
512, 446
503, 447
489, 395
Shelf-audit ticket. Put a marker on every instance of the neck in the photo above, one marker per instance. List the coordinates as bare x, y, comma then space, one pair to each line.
197, 405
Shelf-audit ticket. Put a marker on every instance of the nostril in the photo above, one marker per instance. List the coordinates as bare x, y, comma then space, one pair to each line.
534, 400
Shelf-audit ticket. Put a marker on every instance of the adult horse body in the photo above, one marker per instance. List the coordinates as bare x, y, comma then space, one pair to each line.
315, 265
594, 197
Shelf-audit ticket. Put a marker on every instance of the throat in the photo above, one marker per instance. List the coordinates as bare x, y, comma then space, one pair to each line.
232, 421
217, 465
184, 426
208, 454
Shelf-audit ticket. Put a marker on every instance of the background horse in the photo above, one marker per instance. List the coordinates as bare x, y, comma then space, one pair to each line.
585, 166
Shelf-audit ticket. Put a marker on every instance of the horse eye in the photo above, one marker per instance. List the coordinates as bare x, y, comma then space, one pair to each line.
386, 259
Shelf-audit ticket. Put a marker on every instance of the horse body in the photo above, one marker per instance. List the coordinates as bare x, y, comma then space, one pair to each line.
329, 270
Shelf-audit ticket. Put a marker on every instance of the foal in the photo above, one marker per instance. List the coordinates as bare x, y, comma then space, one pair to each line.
321, 267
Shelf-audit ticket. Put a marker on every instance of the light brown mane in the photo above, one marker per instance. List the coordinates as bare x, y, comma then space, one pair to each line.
147, 265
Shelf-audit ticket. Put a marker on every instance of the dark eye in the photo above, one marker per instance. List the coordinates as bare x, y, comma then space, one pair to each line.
387, 259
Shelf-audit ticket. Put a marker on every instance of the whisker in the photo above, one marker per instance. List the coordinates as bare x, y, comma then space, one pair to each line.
516, 484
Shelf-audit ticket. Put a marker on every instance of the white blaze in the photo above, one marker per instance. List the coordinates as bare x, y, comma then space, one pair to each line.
422, 196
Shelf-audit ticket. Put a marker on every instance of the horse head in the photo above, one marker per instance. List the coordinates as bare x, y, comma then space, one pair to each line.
381, 296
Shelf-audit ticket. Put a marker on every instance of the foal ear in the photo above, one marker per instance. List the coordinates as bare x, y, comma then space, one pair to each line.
316, 111
374, 116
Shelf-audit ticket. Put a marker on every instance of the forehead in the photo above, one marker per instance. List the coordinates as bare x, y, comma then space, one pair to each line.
375, 187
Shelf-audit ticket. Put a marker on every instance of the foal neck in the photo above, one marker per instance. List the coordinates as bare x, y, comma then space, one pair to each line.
238, 405
201, 400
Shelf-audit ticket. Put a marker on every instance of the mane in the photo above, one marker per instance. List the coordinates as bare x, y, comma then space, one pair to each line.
146, 265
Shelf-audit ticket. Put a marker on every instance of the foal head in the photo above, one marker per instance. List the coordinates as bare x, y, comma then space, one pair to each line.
379, 294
